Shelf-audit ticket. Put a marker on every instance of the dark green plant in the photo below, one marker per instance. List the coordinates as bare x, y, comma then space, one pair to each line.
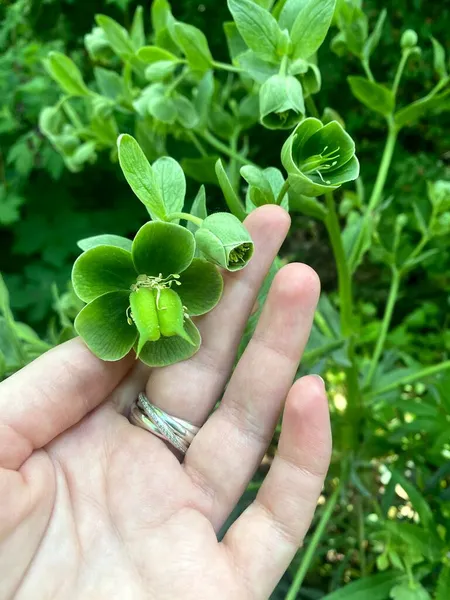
386, 501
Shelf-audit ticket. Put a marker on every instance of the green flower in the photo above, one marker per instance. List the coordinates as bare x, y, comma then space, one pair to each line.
223, 240
281, 102
319, 158
142, 294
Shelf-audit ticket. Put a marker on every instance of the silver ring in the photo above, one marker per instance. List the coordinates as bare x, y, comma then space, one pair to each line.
178, 432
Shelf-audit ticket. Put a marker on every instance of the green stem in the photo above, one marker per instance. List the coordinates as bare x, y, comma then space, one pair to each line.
367, 70
344, 276
176, 82
377, 192
284, 190
284, 66
186, 216
197, 143
400, 70
411, 378
361, 536
312, 547
227, 67
312, 108
392, 299
234, 165
221, 147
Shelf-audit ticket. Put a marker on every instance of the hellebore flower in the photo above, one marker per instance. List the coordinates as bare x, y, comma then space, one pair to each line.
281, 102
319, 158
142, 294
223, 240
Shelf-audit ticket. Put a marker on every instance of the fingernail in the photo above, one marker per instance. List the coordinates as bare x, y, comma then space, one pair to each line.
319, 378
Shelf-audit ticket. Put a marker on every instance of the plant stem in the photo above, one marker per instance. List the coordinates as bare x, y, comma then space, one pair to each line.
377, 192
284, 190
186, 216
392, 298
344, 276
361, 536
176, 82
367, 70
227, 67
399, 73
234, 165
221, 147
312, 547
311, 106
423, 374
197, 143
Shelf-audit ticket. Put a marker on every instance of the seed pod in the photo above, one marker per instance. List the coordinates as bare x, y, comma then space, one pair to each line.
171, 316
145, 316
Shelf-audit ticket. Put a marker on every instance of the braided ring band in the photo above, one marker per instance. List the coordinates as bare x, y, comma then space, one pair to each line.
175, 431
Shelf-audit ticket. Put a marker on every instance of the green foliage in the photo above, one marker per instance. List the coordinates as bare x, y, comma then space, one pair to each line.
381, 334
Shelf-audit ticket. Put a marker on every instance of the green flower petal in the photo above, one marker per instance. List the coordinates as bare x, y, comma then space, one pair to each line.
201, 287
309, 185
103, 326
348, 172
332, 136
302, 134
101, 270
162, 248
170, 350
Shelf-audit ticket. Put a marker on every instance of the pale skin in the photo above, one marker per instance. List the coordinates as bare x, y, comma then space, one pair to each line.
92, 507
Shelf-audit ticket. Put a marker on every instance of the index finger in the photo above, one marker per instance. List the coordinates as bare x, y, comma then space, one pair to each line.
50, 395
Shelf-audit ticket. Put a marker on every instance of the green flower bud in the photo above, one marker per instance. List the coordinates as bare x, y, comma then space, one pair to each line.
281, 102
319, 158
171, 315
409, 39
145, 316
223, 240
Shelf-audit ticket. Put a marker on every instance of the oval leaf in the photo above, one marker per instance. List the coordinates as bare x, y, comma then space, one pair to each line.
373, 95
171, 181
194, 45
311, 26
66, 74
140, 176
105, 240
201, 287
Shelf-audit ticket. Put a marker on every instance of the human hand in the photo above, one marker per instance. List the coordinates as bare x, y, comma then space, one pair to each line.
92, 507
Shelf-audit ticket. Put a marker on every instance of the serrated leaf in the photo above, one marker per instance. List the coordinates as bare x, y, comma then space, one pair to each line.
140, 176
373, 95
257, 27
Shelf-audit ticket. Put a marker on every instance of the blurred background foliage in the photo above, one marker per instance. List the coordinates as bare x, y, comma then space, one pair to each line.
44, 210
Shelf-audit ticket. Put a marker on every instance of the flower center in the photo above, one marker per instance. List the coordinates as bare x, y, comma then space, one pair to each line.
319, 163
239, 254
155, 283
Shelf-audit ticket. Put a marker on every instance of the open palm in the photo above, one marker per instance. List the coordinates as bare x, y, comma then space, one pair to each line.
92, 507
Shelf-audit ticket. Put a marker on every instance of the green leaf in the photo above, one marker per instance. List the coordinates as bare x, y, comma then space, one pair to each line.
117, 36
228, 191
66, 74
236, 44
170, 350
137, 31
153, 54
162, 248
418, 502
203, 99
105, 240
306, 205
202, 170
375, 587
198, 209
439, 58
443, 584
171, 182
260, 189
311, 26
373, 95
160, 71
102, 269
406, 591
415, 111
104, 328
186, 113
110, 83
258, 28
374, 39
201, 287
194, 45
140, 176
